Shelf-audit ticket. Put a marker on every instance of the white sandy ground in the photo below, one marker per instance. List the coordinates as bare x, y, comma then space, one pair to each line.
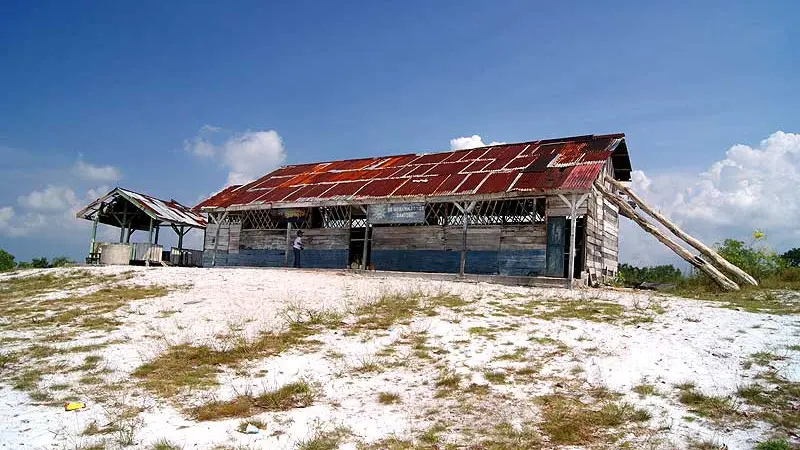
691, 341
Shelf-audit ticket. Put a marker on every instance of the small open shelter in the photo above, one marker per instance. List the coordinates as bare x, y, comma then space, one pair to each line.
131, 211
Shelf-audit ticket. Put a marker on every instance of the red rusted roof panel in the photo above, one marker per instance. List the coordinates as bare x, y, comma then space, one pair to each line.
308, 191
451, 183
472, 181
566, 163
345, 189
420, 186
497, 182
448, 168
381, 188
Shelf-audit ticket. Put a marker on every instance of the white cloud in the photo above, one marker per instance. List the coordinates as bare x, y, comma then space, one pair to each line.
474, 141
47, 212
749, 189
52, 198
91, 172
200, 147
252, 154
246, 155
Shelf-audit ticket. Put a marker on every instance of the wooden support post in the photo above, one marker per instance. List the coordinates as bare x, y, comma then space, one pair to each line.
465, 211
627, 211
180, 239
158, 227
715, 257
366, 243
218, 220
94, 233
288, 244
149, 244
573, 203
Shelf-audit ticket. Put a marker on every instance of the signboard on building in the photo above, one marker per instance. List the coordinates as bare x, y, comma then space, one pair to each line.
397, 213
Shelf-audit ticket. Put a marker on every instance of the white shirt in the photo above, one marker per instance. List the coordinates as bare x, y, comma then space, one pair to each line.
298, 243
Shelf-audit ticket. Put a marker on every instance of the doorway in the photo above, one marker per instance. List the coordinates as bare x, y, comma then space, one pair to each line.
557, 250
357, 242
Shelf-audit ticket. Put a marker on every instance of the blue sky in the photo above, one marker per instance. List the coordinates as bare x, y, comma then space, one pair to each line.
125, 90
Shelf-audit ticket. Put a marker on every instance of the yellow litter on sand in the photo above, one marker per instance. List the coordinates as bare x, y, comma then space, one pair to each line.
72, 406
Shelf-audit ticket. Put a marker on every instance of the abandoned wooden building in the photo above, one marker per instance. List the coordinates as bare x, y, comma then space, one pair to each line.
523, 209
131, 211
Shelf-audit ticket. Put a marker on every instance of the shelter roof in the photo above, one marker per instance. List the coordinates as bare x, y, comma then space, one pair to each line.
565, 164
162, 211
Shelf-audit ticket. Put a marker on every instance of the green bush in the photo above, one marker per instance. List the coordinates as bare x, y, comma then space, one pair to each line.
757, 261
6, 261
40, 263
61, 261
632, 275
773, 444
792, 257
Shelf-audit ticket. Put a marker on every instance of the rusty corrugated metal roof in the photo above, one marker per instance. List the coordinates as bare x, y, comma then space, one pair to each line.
537, 166
161, 210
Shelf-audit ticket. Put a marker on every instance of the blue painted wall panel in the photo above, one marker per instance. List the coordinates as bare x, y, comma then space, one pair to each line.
507, 262
521, 262
321, 259
416, 260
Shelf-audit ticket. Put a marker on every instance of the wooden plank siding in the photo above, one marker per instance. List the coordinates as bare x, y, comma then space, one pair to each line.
504, 249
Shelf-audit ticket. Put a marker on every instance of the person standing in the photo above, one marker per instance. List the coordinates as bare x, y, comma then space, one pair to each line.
297, 245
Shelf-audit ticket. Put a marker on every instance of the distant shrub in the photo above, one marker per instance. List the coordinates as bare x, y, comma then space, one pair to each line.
6, 261
792, 257
61, 261
632, 275
773, 444
757, 261
40, 263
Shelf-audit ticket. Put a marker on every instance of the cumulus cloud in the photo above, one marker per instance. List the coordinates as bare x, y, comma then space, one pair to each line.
750, 188
52, 198
252, 154
474, 141
246, 155
47, 212
91, 172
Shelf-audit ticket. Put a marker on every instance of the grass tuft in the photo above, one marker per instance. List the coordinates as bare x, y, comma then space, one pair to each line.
293, 395
388, 398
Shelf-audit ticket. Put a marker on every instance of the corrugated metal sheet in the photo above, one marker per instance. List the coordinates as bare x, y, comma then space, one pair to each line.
161, 210
536, 166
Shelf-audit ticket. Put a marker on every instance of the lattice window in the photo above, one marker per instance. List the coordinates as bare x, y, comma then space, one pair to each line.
258, 219
358, 222
335, 216
489, 212
265, 219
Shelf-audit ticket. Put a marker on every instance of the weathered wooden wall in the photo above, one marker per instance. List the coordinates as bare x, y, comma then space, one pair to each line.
602, 235
324, 248
506, 250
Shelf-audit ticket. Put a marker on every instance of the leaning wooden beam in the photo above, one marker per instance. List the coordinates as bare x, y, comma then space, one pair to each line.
627, 211
715, 258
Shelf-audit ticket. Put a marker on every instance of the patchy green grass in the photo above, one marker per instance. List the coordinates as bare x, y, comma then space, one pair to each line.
324, 440
645, 390
769, 297
589, 310
183, 366
567, 420
775, 400
165, 444
495, 376
388, 398
293, 395
387, 311
708, 406
505, 436
447, 382
773, 444
254, 422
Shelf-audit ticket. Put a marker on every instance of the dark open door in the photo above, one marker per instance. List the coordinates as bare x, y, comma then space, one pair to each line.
556, 227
